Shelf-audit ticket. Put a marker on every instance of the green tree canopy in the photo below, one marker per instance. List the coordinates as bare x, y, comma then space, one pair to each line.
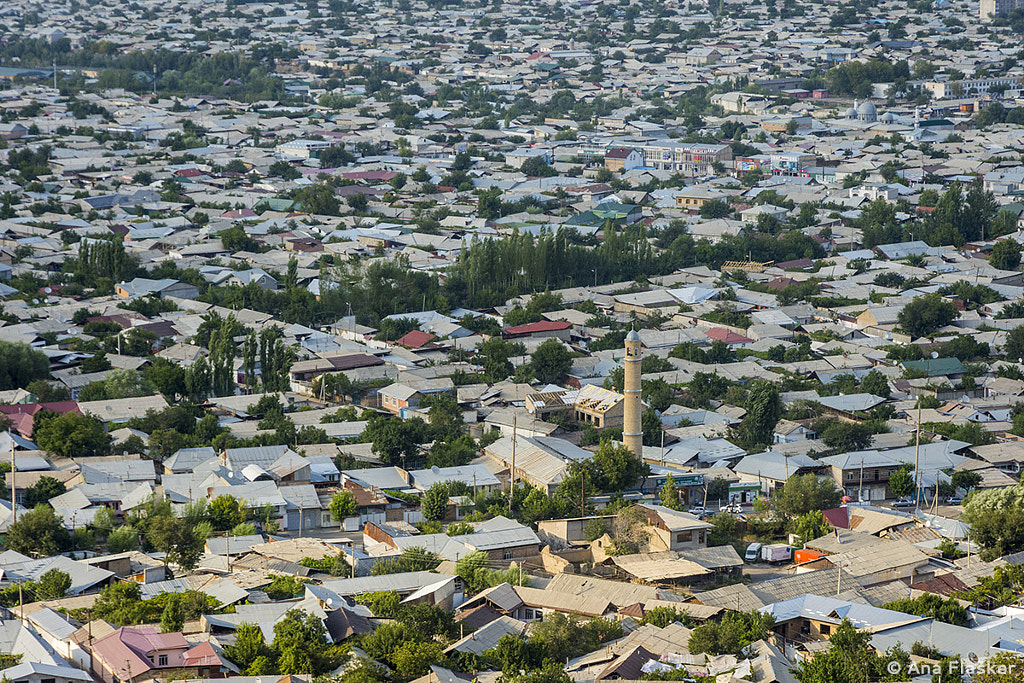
925, 314
70, 434
20, 364
551, 361
38, 532
804, 493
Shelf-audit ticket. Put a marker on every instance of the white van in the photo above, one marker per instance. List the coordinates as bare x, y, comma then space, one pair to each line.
753, 553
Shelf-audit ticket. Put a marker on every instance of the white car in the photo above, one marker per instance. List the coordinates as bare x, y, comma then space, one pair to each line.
698, 511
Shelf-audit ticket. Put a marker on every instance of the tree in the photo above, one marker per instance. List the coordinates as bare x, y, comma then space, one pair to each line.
20, 364
435, 502
811, 525
182, 545
669, 495
847, 436
946, 610
488, 203
560, 637
301, 642
804, 493
53, 585
617, 467
551, 361
715, 208
38, 532
43, 490
996, 517
411, 560
875, 383
357, 201
226, 512
732, 634
1004, 667
123, 539
901, 483
127, 383
317, 199
925, 314
248, 647
850, 659
414, 658
965, 479
393, 440
343, 505
172, 620
725, 528
537, 167
70, 434
47, 392
168, 377
1014, 347
496, 353
1005, 255
764, 408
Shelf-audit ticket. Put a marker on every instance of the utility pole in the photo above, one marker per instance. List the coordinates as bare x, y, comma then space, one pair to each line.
14, 484
583, 493
917, 458
860, 489
512, 471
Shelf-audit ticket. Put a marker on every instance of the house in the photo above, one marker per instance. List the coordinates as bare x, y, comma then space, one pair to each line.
733, 340
543, 329
692, 198
540, 461
415, 339
673, 530
136, 654
401, 398
787, 431
600, 407
936, 367
619, 159
140, 287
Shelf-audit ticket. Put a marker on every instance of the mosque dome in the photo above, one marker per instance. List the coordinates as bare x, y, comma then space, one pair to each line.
851, 113
887, 117
867, 112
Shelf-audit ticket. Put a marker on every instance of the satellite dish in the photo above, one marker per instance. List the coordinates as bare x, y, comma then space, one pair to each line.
935, 354
435, 469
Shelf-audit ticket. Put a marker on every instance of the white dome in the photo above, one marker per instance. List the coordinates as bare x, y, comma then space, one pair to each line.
867, 112
851, 113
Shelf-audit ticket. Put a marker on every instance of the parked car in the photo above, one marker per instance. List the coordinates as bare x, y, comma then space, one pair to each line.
955, 500
903, 503
698, 511
753, 552
734, 508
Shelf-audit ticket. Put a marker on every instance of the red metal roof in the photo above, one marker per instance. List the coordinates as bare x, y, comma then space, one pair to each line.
728, 336
534, 328
415, 339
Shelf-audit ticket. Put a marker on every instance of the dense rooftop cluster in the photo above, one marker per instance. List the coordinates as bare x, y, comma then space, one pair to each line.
511, 342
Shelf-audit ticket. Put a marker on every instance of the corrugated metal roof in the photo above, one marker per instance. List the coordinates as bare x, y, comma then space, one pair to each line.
487, 637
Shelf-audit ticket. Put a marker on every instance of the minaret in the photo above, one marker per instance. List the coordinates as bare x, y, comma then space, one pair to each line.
632, 432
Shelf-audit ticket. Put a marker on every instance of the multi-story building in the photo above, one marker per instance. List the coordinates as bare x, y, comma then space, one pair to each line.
991, 8
689, 159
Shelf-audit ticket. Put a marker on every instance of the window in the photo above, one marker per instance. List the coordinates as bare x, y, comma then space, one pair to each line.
163, 660
805, 627
684, 537
826, 630
508, 554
